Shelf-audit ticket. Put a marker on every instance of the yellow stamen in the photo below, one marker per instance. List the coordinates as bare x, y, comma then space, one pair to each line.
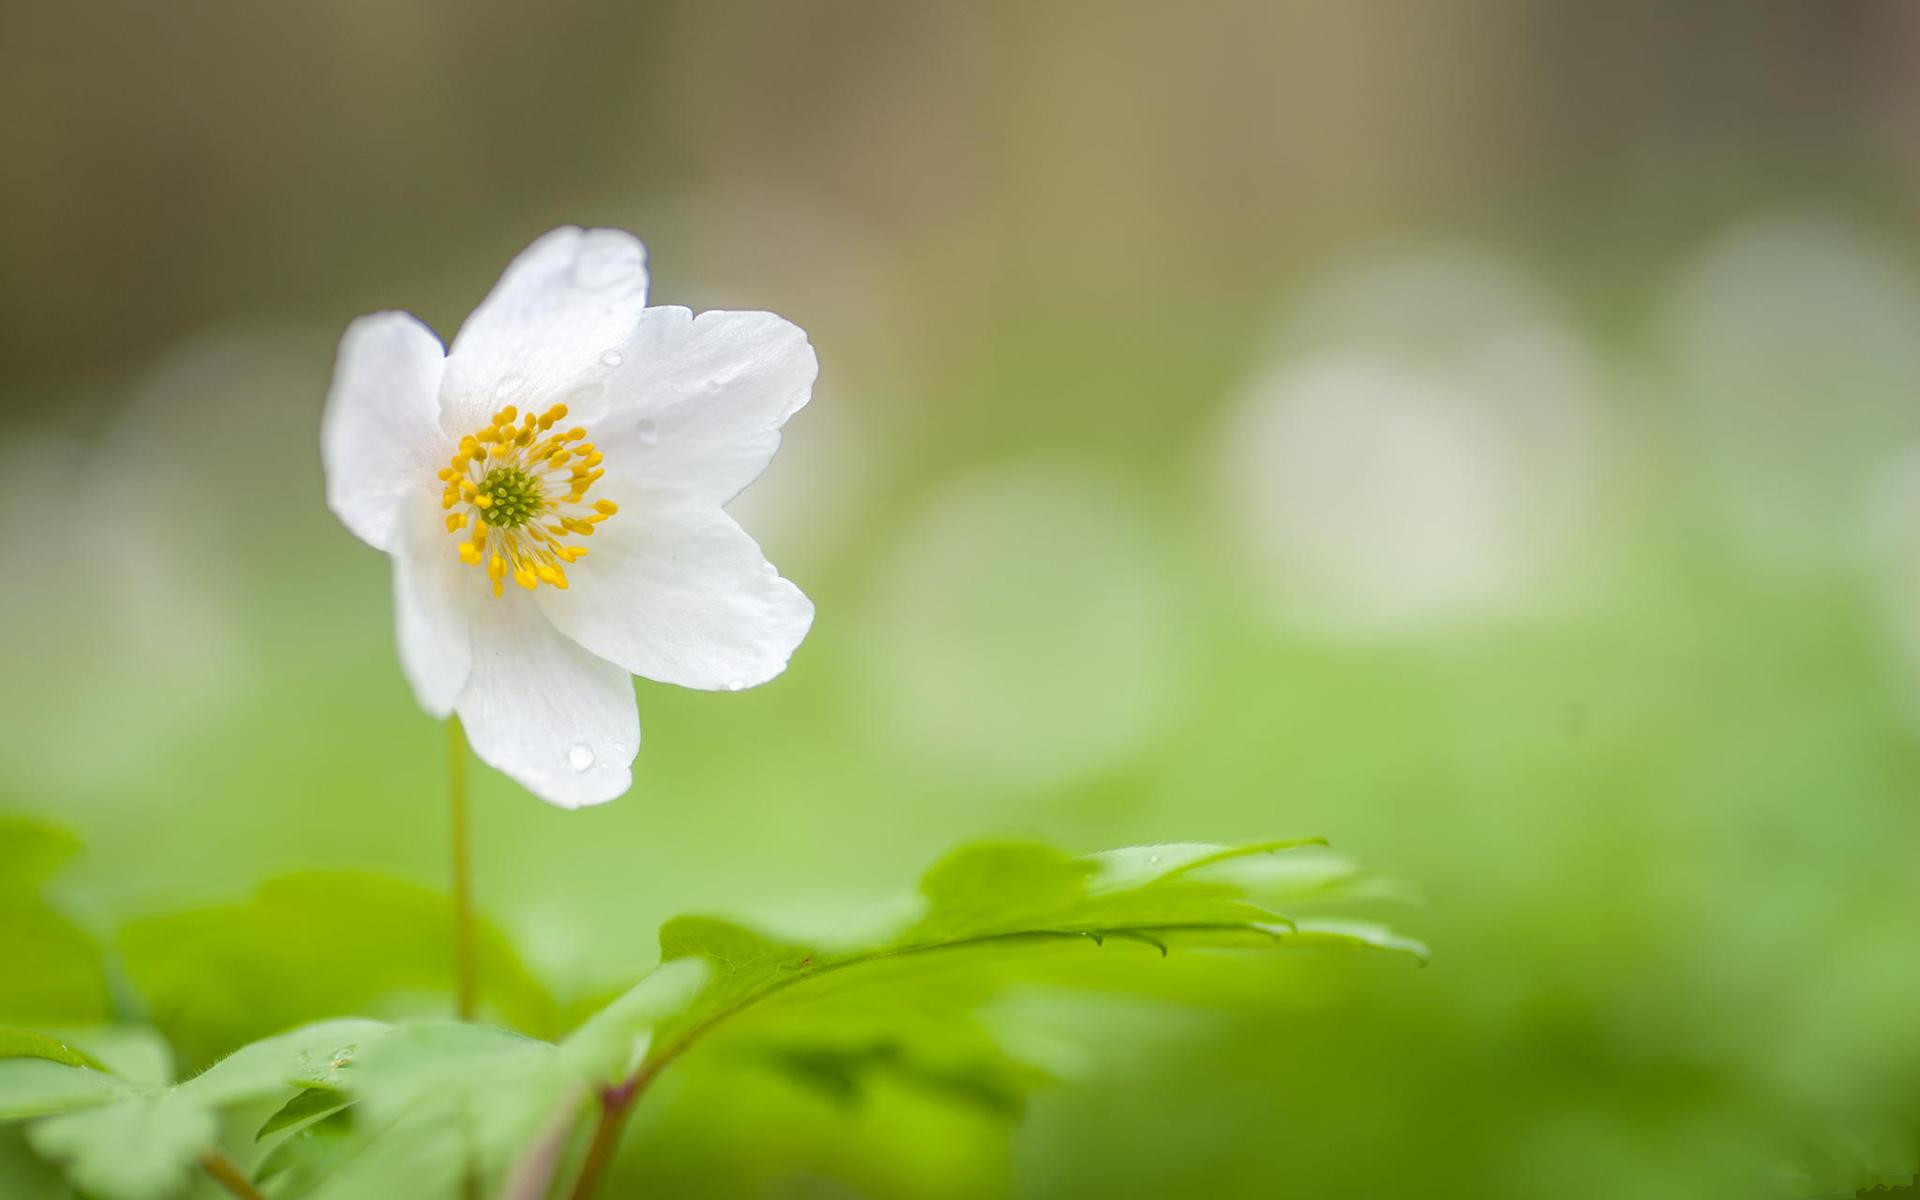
515, 494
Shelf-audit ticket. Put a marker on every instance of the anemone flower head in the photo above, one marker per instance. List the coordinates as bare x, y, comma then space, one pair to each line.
551, 491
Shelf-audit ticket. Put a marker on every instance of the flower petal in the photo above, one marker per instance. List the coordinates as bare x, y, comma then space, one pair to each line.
379, 437
433, 596
550, 715
552, 330
674, 590
699, 403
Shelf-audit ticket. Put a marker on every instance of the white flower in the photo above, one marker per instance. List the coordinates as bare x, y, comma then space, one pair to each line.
551, 491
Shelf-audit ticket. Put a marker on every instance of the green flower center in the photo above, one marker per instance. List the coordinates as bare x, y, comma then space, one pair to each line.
517, 497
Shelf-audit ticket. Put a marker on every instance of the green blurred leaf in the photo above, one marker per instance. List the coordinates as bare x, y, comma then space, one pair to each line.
33, 1087
611, 1042
1332, 931
310, 946
418, 1154
924, 1037
990, 1081
142, 1147
24, 1043
305, 1158
425, 1063
120, 1142
433, 1097
135, 1053
31, 851
308, 1104
24, 1175
429, 1098
57, 975
409, 1109
311, 1056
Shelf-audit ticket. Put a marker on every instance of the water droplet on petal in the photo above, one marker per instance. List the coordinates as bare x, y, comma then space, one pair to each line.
613, 358
646, 431
580, 757
713, 385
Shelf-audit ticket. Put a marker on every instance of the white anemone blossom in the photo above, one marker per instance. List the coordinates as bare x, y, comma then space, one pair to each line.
551, 491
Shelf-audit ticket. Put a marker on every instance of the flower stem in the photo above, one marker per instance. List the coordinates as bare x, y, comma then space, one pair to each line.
229, 1176
460, 830
615, 1103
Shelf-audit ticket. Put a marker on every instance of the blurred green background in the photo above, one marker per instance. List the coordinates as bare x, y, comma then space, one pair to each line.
1485, 434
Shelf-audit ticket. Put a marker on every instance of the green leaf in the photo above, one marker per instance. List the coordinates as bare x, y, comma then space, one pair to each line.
983, 912
418, 1154
66, 981
24, 1175
1135, 866
120, 1142
989, 889
310, 946
743, 962
308, 1104
31, 851
435, 1096
311, 1056
431, 1061
610, 1043
901, 1036
993, 1082
133, 1052
1333, 931
143, 1147
429, 1097
409, 1109
24, 1043
310, 1155
33, 1087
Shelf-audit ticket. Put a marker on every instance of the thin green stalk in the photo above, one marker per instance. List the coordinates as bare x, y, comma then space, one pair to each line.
461, 832
227, 1175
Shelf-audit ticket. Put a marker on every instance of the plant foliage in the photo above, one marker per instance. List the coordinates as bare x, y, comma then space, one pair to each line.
351, 1107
